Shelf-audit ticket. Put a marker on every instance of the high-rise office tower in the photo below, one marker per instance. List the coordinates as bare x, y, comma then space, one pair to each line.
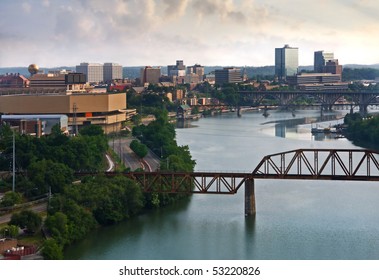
93, 71
286, 62
332, 66
150, 75
228, 75
176, 70
112, 71
197, 69
320, 59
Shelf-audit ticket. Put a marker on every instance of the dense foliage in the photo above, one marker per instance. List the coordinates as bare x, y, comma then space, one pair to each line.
76, 209
363, 131
28, 220
353, 74
96, 201
11, 198
150, 102
138, 148
81, 152
51, 160
159, 136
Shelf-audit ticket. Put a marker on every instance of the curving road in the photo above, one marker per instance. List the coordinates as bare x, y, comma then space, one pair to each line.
121, 147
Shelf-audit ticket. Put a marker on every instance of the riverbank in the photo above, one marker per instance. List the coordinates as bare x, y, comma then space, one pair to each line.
363, 131
293, 217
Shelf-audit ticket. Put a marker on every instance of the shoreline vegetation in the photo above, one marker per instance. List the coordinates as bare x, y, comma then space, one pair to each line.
363, 131
74, 210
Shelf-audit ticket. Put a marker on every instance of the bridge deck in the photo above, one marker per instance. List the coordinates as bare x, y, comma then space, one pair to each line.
304, 164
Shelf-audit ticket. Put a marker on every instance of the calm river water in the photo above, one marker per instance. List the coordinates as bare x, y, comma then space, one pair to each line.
295, 219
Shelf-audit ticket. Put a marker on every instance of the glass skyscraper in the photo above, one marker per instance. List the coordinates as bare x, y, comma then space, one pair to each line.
320, 59
286, 62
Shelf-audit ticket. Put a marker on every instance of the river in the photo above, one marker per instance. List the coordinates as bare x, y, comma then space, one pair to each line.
295, 219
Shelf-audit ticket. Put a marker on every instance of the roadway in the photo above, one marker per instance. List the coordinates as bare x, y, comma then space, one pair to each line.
38, 208
121, 147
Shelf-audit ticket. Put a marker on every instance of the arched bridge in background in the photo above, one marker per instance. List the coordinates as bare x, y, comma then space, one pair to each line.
326, 99
304, 164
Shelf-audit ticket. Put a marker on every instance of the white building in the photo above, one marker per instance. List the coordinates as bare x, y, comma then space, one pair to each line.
97, 72
112, 71
93, 71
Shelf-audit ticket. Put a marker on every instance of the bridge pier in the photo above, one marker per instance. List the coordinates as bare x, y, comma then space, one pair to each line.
239, 114
363, 109
249, 198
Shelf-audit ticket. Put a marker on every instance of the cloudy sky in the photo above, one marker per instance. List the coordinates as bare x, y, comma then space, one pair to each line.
210, 32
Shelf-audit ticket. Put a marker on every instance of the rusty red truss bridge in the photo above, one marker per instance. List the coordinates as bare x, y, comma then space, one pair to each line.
305, 164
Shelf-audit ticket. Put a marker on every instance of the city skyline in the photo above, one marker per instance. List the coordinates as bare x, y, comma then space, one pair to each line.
209, 32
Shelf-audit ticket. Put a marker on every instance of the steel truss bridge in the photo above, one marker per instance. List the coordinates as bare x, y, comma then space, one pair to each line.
304, 164
326, 99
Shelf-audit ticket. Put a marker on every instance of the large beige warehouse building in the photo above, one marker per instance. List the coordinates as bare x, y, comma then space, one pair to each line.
104, 109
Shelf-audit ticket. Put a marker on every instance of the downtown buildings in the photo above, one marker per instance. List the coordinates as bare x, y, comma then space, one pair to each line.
97, 72
324, 62
327, 74
62, 94
286, 62
228, 75
320, 59
150, 75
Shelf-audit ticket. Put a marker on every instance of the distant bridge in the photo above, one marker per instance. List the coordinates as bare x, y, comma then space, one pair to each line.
305, 164
326, 99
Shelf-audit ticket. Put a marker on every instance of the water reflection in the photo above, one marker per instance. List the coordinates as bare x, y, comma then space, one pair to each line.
296, 219
302, 125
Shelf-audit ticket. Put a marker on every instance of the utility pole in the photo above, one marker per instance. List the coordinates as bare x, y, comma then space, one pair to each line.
74, 119
14, 165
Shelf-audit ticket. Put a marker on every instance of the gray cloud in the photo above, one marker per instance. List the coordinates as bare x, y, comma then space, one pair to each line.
174, 8
137, 31
224, 10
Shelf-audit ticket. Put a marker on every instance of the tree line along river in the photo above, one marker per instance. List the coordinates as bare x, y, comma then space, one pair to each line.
295, 219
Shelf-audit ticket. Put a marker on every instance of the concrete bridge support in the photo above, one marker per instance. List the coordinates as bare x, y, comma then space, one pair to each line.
363, 109
249, 198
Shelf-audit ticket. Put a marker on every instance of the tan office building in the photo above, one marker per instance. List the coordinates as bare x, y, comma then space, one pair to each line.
105, 109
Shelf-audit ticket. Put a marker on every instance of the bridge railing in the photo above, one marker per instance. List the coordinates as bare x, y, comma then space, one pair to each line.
189, 182
309, 164
318, 164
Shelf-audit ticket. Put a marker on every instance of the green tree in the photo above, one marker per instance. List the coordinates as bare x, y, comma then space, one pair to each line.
28, 220
80, 220
10, 231
139, 148
111, 200
57, 225
46, 175
92, 130
6, 135
136, 119
51, 250
231, 96
10, 199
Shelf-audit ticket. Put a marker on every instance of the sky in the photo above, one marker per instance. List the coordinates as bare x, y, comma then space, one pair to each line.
55, 33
